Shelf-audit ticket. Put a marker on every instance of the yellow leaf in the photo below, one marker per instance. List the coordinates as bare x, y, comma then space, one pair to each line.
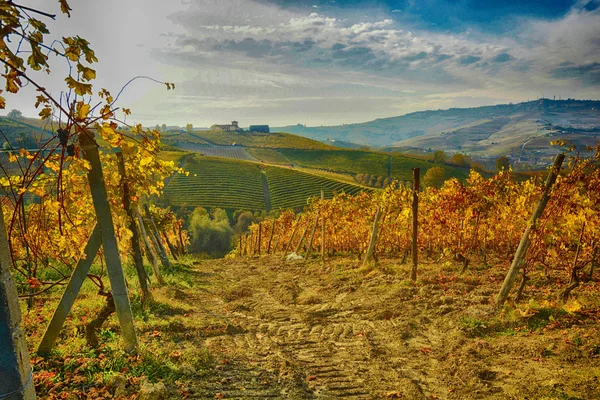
82, 110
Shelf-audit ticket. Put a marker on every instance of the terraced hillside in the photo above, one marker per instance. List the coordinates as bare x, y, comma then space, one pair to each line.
290, 189
235, 184
217, 182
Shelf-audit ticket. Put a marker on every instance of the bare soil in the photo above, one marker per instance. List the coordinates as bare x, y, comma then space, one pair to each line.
304, 330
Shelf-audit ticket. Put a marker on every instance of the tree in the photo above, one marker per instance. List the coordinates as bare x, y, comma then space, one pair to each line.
502, 163
15, 114
460, 160
189, 128
434, 177
210, 234
439, 156
163, 128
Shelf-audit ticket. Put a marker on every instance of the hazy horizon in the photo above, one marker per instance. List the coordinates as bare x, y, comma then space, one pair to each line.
319, 62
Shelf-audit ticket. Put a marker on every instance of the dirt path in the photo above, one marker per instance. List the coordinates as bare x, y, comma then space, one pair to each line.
298, 331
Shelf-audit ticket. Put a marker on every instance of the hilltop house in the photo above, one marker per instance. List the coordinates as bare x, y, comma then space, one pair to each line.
259, 128
234, 127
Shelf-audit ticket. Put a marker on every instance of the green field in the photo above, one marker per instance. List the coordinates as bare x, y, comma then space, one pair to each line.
235, 184
268, 155
364, 162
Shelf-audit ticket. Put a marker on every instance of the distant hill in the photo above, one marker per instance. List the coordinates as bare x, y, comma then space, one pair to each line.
522, 129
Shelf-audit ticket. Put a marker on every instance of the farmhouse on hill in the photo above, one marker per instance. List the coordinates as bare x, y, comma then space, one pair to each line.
233, 127
259, 128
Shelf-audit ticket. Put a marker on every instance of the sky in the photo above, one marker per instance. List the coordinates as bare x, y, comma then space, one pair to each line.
327, 62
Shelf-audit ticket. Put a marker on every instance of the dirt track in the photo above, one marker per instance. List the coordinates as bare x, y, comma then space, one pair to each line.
302, 331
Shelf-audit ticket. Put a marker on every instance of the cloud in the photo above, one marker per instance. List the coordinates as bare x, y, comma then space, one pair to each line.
316, 50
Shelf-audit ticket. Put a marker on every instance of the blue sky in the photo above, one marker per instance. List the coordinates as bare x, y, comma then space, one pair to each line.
325, 62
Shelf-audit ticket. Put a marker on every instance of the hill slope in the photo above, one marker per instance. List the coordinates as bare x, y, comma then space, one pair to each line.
486, 131
243, 185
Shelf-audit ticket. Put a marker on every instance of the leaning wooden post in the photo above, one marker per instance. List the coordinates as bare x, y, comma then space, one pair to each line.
312, 236
68, 298
271, 237
524, 244
289, 243
109, 241
302, 237
162, 253
322, 228
415, 225
16, 376
373, 240
135, 236
149, 252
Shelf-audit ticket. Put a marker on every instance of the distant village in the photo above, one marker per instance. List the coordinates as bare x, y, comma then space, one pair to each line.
232, 127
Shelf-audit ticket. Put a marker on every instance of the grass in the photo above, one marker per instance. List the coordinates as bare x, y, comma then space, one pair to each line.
268, 156
76, 369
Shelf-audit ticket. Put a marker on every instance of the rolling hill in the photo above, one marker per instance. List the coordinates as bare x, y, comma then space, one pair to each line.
238, 184
523, 130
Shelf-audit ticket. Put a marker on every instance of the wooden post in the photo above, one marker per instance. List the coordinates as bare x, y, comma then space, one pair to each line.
16, 376
172, 248
259, 237
322, 229
415, 225
180, 235
277, 240
241, 249
68, 298
135, 236
149, 252
160, 249
373, 240
302, 237
312, 236
524, 244
271, 237
109, 240
289, 243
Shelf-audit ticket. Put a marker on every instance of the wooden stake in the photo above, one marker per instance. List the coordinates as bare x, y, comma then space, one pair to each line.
160, 249
68, 298
149, 252
302, 238
109, 241
289, 243
312, 236
271, 236
373, 240
135, 236
322, 230
524, 244
16, 376
415, 225
259, 237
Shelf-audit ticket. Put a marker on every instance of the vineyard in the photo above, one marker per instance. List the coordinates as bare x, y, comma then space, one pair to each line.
273, 140
218, 182
291, 189
473, 223
363, 162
